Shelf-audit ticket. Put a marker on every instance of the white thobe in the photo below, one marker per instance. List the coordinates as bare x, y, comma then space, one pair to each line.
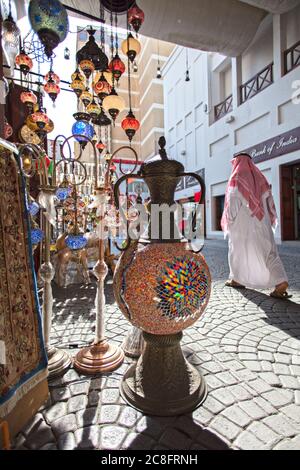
253, 257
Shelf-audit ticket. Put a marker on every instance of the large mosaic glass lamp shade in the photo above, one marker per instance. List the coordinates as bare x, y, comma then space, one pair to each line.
162, 287
49, 19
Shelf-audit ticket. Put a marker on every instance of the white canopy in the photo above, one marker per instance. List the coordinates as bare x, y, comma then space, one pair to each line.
225, 26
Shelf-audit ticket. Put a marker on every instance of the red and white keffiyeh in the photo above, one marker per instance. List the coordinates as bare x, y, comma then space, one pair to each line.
252, 184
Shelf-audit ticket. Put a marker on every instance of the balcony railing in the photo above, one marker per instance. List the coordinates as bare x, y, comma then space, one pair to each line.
223, 108
258, 83
292, 58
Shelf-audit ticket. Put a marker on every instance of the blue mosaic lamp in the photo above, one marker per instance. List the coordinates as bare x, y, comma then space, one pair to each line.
63, 192
33, 208
76, 241
37, 235
49, 19
82, 127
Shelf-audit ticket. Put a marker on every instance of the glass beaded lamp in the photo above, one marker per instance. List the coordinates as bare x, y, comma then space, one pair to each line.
51, 75
49, 19
117, 67
102, 88
93, 109
52, 89
76, 241
37, 234
87, 67
78, 86
86, 97
33, 208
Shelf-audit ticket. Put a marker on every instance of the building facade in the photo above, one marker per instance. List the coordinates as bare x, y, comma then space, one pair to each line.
248, 103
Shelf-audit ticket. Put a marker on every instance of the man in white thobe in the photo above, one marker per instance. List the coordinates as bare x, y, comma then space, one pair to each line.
248, 220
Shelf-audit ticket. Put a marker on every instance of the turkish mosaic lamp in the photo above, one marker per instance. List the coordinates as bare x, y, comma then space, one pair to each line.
162, 287
49, 19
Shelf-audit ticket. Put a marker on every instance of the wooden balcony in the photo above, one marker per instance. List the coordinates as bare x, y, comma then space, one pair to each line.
223, 108
256, 84
292, 58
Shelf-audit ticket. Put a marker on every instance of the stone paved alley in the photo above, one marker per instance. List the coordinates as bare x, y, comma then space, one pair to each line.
247, 345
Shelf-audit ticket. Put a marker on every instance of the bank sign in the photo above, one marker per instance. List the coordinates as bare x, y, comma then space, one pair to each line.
275, 147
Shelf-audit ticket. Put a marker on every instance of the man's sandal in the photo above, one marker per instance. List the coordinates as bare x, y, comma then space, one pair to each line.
235, 285
280, 295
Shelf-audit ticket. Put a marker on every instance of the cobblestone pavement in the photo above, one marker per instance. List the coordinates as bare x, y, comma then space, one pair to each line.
247, 345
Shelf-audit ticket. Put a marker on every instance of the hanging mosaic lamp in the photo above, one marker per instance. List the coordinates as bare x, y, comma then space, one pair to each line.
11, 37
102, 119
78, 86
82, 127
40, 118
29, 99
52, 89
102, 88
93, 109
24, 62
37, 234
131, 47
136, 17
130, 125
51, 75
92, 52
86, 97
87, 67
100, 146
117, 67
75, 240
33, 208
77, 75
63, 191
49, 19
114, 104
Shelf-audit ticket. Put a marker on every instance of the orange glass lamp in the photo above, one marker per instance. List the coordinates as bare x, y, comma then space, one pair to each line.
131, 47
78, 85
93, 109
102, 88
51, 75
87, 67
114, 104
86, 97
130, 125
100, 146
24, 62
29, 99
52, 89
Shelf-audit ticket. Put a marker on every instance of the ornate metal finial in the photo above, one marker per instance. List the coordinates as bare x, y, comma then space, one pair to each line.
162, 151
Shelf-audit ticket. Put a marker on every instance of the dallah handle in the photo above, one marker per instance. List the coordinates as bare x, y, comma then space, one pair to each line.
201, 200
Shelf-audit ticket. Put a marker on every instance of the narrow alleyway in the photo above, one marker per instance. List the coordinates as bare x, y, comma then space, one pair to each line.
247, 345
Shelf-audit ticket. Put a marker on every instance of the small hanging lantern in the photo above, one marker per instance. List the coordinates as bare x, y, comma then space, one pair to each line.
29, 99
130, 125
131, 47
77, 75
11, 37
100, 146
49, 19
40, 118
63, 191
114, 104
86, 97
92, 52
102, 88
52, 89
93, 109
37, 234
78, 86
117, 67
136, 17
76, 241
24, 62
87, 67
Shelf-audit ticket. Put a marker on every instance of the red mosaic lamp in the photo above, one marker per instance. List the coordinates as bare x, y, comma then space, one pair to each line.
24, 62
51, 75
117, 67
102, 88
100, 146
136, 17
130, 125
162, 286
52, 89
29, 99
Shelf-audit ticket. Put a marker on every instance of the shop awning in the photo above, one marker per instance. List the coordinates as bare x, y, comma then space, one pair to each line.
226, 26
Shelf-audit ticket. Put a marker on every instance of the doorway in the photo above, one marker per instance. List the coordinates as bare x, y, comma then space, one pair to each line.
290, 202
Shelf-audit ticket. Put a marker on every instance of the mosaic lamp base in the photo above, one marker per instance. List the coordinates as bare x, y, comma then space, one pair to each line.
98, 358
162, 382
